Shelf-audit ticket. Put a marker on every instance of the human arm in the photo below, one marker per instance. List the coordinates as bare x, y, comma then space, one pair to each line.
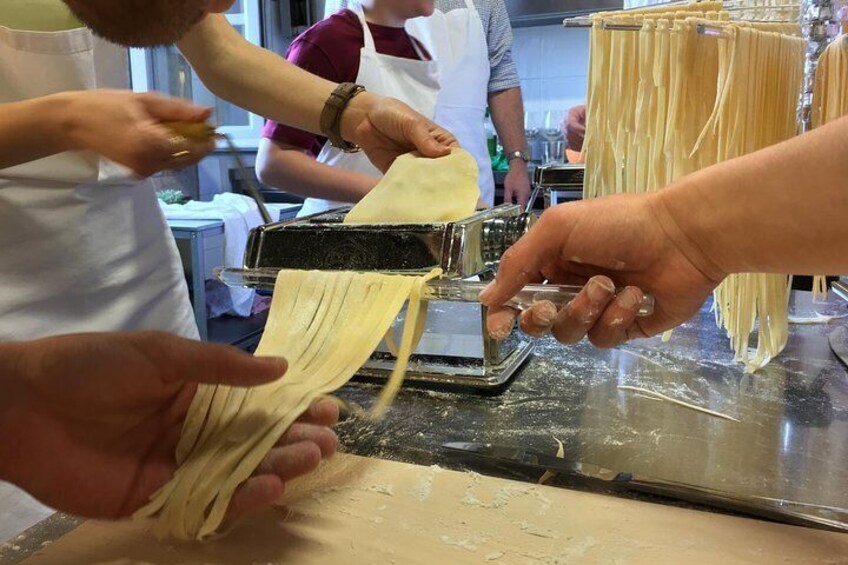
296, 171
574, 128
505, 101
120, 125
507, 110
266, 84
778, 210
90, 422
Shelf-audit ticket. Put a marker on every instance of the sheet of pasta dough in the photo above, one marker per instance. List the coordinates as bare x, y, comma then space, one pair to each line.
420, 190
326, 324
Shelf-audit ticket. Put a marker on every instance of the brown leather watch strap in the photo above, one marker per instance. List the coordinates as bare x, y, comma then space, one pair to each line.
331, 115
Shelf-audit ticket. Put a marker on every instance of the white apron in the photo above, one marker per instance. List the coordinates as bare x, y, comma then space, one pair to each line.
83, 244
415, 82
458, 42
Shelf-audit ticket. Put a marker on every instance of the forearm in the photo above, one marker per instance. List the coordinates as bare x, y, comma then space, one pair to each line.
34, 129
11, 385
779, 210
508, 117
294, 171
260, 81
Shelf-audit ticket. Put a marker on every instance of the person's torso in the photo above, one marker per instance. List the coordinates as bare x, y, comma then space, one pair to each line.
331, 49
338, 41
457, 40
84, 244
413, 80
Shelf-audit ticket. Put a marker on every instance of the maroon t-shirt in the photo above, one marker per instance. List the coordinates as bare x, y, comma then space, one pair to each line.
330, 49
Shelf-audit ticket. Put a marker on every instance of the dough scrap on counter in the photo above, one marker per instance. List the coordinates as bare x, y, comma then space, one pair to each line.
548, 475
326, 324
654, 395
418, 190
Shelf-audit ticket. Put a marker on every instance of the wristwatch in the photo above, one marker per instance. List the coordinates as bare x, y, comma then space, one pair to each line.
331, 115
510, 157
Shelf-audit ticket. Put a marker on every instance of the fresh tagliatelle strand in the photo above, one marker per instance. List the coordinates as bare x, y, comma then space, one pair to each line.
830, 102
412, 330
660, 396
316, 322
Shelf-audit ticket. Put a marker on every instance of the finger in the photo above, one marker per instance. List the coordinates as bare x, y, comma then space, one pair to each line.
290, 461
322, 436
537, 320
522, 262
443, 136
256, 494
576, 319
322, 413
425, 140
644, 327
611, 328
508, 196
499, 322
188, 152
169, 109
188, 360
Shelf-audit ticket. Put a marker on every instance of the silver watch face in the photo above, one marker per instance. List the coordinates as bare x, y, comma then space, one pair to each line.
518, 155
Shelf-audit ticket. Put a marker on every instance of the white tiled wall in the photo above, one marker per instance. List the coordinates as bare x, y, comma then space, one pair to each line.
552, 63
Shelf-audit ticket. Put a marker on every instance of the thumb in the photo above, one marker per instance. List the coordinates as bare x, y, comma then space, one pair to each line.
194, 361
168, 109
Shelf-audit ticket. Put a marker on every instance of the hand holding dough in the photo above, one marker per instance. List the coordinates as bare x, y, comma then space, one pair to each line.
419, 190
326, 324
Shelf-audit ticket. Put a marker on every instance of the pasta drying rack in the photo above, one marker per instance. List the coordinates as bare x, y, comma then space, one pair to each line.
455, 349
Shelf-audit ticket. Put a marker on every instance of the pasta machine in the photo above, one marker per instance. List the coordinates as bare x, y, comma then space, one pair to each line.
455, 349
559, 183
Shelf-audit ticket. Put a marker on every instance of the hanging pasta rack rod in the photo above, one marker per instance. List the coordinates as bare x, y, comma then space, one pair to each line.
587, 22
704, 29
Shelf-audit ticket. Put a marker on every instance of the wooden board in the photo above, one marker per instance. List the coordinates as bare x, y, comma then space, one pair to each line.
366, 511
18, 511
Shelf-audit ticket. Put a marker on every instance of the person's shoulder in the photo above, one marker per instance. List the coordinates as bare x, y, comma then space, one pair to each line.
330, 48
332, 30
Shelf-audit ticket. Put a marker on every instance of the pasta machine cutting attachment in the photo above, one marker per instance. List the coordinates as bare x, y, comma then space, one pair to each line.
451, 290
455, 349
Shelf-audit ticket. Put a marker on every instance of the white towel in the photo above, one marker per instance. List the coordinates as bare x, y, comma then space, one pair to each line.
240, 214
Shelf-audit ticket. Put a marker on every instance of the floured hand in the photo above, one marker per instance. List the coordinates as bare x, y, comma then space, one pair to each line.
600, 244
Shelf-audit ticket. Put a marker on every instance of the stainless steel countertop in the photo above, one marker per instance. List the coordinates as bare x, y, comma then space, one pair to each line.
792, 442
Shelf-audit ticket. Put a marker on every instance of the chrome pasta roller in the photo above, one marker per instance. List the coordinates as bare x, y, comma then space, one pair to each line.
455, 350
462, 249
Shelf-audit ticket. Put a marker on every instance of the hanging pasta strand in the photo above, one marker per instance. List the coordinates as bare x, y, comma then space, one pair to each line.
665, 101
830, 102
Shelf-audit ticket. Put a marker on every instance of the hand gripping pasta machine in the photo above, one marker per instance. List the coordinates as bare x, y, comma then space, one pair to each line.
455, 349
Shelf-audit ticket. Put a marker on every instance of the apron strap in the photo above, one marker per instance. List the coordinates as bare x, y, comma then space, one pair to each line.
470, 5
366, 31
418, 51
